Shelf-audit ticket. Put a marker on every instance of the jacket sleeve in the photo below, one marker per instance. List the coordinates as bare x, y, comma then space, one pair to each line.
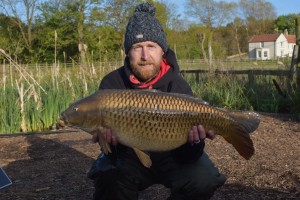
187, 152
114, 81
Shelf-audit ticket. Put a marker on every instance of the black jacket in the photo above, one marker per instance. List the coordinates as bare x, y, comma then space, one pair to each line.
170, 82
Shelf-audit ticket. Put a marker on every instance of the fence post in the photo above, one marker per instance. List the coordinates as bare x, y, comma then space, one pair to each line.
251, 79
291, 76
297, 29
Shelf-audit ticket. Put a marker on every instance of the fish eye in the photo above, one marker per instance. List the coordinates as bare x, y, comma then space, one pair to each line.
75, 108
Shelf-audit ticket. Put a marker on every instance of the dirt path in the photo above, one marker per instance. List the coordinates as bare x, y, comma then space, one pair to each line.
53, 166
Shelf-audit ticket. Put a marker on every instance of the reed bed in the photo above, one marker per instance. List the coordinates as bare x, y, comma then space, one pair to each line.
236, 92
32, 97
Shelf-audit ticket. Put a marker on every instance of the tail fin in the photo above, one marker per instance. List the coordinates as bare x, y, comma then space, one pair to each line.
239, 131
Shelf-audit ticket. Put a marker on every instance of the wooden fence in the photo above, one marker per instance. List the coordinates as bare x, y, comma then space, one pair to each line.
289, 74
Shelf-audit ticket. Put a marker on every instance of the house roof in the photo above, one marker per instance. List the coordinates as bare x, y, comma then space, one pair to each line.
291, 38
264, 38
271, 37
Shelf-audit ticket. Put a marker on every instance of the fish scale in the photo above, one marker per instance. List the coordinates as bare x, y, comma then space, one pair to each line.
149, 120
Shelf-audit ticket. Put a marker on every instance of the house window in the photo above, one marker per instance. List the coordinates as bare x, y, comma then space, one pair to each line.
259, 54
262, 44
265, 54
292, 46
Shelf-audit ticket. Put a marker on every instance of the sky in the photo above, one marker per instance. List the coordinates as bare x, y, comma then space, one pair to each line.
282, 7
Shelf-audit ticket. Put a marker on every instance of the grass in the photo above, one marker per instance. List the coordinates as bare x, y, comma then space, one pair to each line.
245, 64
236, 93
34, 96
221, 91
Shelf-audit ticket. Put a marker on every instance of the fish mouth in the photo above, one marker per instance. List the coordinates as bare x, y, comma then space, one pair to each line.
62, 122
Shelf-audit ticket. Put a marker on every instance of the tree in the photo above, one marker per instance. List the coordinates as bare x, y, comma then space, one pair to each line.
69, 19
117, 14
173, 18
211, 14
259, 9
10, 37
286, 22
235, 28
14, 8
259, 15
56, 18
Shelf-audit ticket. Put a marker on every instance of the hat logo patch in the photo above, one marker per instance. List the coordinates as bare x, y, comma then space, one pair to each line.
139, 36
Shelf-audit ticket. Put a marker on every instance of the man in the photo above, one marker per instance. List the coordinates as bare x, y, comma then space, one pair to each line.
187, 170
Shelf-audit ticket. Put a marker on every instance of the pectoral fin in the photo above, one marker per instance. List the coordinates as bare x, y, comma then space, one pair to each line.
103, 144
144, 158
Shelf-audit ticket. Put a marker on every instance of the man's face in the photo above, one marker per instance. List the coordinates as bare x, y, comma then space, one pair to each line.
145, 60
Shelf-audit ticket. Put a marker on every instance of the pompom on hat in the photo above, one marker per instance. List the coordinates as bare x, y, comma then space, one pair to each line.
143, 26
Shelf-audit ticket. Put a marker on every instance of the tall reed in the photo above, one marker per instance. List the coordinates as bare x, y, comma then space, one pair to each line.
37, 95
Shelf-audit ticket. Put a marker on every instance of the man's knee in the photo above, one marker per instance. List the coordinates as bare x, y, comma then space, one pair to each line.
200, 179
208, 182
197, 187
112, 184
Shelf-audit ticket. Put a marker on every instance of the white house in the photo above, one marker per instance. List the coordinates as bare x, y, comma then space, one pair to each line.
291, 43
271, 46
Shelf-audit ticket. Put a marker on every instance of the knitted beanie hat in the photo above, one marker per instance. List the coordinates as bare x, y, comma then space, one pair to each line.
143, 26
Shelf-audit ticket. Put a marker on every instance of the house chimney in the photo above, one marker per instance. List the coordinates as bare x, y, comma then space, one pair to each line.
286, 33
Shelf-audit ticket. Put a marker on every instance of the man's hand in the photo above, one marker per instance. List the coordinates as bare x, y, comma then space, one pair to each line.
108, 136
198, 133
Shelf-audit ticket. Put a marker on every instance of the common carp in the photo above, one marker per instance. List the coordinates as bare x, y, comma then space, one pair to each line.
149, 120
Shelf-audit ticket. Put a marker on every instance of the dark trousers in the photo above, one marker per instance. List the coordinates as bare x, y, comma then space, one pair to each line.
124, 179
